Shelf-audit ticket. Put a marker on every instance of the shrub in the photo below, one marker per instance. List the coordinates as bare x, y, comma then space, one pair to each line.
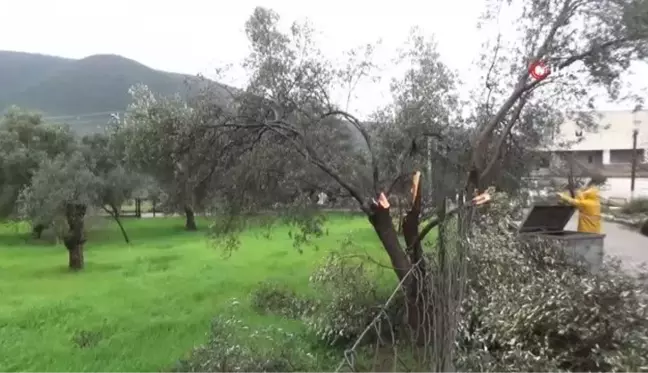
636, 206
528, 309
644, 228
353, 298
234, 347
272, 297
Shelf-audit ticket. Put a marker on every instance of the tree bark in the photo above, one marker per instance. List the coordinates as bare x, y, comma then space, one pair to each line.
37, 231
114, 212
75, 238
418, 289
415, 287
382, 223
190, 221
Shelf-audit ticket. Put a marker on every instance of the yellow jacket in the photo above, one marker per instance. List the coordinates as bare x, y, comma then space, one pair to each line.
588, 204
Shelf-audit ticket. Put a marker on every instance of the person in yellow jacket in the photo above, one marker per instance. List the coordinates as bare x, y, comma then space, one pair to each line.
588, 203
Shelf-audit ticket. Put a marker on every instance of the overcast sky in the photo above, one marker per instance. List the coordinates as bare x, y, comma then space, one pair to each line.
196, 36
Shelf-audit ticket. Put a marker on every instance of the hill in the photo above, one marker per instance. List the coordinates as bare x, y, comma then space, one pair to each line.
81, 92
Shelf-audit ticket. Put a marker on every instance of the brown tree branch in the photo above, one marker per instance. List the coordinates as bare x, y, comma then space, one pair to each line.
479, 151
381, 221
408, 152
310, 155
432, 224
411, 223
490, 71
365, 135
578, 57
502, 139
284, 129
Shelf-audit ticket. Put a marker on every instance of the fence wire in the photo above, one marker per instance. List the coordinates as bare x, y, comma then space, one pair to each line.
415, 329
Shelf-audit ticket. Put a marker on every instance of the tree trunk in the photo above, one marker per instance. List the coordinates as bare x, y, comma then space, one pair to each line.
138, 208
382, 223
37, 230
121, 228
415, 287
418, 289
190, 222
644, 228
75, 238
114, 212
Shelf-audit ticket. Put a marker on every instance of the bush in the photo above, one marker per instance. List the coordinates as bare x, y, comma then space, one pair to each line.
272, 297
636, 206
644, 228
547, 314
353, 298
235, 347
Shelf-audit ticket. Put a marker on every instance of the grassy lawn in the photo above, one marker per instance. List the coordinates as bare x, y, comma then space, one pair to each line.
142, 306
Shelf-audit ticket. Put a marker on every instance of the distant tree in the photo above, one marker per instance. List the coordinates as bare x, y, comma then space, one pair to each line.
148, 189
25, 141
117, 183
161, 138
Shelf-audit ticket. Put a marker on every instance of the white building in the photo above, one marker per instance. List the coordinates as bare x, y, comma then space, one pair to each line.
609, 150
611, 144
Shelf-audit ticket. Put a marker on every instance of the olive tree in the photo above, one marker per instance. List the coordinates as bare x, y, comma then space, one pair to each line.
66, 187
160, 139
117, 183
25, 141
287, 103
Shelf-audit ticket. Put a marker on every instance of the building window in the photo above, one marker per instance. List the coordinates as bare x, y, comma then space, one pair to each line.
590, 159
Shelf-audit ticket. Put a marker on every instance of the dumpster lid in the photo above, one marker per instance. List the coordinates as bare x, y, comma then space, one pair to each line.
547, 218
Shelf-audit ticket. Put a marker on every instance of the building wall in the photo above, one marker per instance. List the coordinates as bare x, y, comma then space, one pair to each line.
616, 188
585, 157
589, 157
614, 132
625, 156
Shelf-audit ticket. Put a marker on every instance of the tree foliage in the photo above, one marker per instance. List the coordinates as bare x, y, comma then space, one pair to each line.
588, 43
548, 314
59, 182
118, 183
25, 142
163, 138
50, 176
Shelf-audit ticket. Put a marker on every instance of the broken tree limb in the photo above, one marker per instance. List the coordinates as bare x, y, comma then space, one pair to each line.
477, 201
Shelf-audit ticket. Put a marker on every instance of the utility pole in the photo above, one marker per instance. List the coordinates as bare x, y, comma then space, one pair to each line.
429, 166
633, 172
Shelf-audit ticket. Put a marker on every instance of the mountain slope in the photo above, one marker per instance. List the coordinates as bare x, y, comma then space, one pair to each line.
70, 88
18, 70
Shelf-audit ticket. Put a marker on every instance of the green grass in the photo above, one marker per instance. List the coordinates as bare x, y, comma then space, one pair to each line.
142, 306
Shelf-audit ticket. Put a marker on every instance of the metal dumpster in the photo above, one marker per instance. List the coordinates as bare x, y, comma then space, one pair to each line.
548, 222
